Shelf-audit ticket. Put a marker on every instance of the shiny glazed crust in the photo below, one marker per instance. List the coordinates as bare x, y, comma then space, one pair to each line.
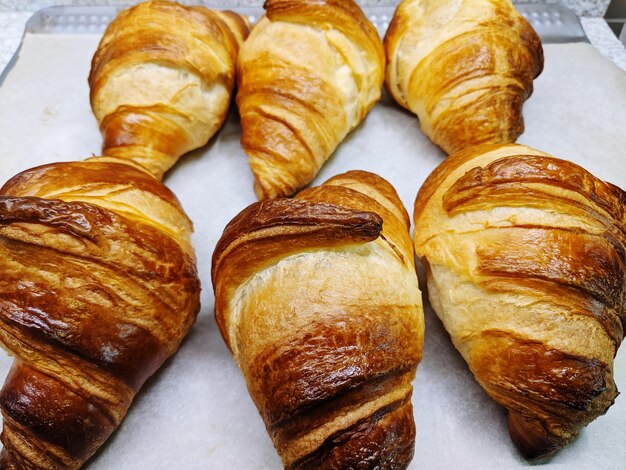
525, 257
465, 67
161, 80
317, 298
99, 283
307, 75
99, 287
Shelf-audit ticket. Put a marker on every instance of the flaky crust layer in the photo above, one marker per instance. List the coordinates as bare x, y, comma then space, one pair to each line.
161, 80
525, 257
307, 75
98, 289
317, 298
464, 67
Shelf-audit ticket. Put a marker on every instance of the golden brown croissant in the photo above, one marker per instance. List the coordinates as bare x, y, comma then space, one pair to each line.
99, 283
317, 299
464, 67
161, 80
525, 260
307, 75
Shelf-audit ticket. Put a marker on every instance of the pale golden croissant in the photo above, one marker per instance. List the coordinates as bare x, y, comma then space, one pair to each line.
465, 67
307, 75
525, 260
317, 299
162, 79
99, 283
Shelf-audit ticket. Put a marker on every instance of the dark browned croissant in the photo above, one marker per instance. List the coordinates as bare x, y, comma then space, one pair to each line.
317, 298
525, 256
465, 67
99, 284
308, 74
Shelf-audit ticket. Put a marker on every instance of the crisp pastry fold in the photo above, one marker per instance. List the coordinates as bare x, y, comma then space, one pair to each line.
525, 256
464, 67
99, 283
317, 299
307, 75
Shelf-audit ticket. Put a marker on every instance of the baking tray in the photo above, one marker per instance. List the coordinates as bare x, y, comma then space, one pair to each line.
553, 23
195, 413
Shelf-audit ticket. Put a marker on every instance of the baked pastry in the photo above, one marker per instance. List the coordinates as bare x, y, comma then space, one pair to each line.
162, 80
464, 67
307, 75
317, 298
525, 259
99, 283
98, 289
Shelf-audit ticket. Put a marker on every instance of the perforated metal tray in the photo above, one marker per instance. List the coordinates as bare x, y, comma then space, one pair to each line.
553, 23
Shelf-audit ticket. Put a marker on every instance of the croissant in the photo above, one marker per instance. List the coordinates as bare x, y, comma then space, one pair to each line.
464, 67
99, 284
525, 257
308, 74
317, 298
161, 81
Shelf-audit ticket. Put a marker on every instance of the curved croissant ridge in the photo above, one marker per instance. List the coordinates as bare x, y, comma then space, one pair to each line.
318, 300
109, 184
526, 267
465, 67
308, 74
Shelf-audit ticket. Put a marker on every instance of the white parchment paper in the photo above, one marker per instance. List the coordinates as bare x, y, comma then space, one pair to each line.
196, 413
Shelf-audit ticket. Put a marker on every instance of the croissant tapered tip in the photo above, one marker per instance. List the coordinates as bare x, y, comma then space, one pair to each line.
7, 460
532, 440
383, 440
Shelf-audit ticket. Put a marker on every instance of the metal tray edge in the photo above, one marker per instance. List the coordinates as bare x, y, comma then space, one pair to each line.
553, 23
